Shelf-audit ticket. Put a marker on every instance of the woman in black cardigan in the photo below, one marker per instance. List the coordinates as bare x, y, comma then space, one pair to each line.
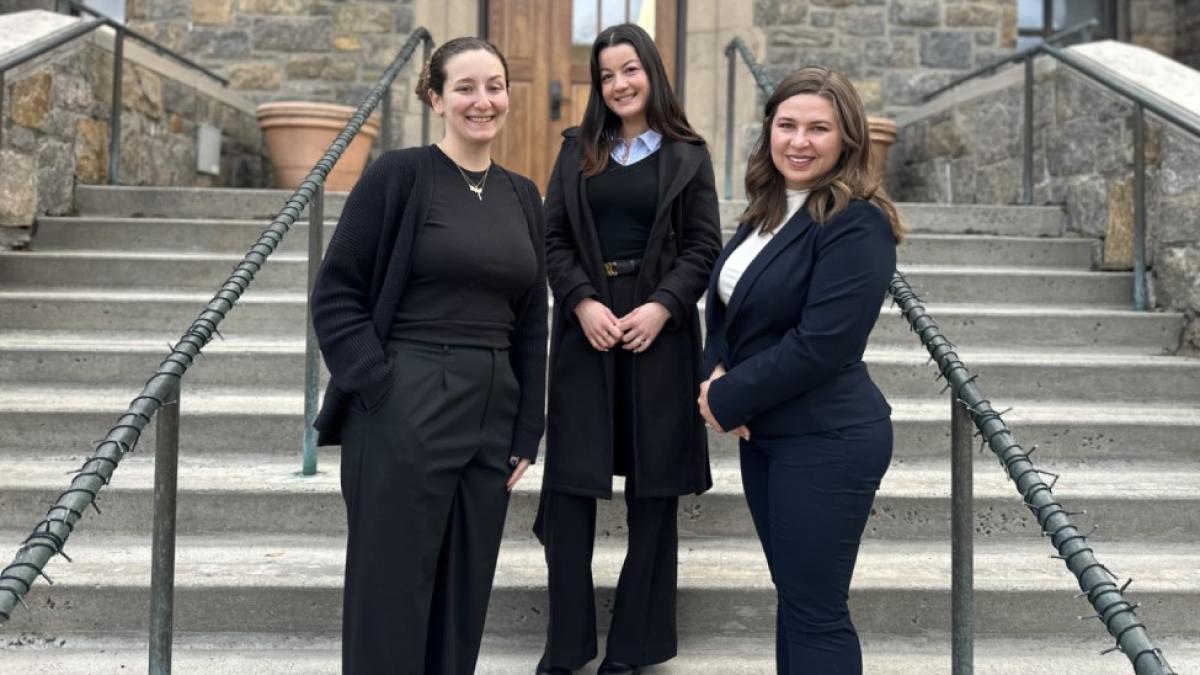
631, 234
792, 301
430, 309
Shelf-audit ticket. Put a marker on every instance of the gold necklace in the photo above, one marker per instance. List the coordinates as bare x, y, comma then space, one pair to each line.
477, 188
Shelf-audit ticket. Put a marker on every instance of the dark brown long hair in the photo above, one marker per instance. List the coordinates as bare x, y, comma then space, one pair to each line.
850, 178
602, 127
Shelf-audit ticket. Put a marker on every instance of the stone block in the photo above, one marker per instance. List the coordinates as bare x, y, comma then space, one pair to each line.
863, 22
783, 61
405, 16
179, 97
306, 67
1177, 276
985, 38
791, 37
909, 88
946, 49
1175, 218
56, 176
1118, 238
1087, 206
976, 16
363, 18
275, 7
946, 139
72, 91
142, 90
212, 12
293, 34
998, 183
259, 75
781, 12
341, 70
924, 13
890, 53
822, 18
30, 100
871, 93
1180, 168
18, 188
1072, 151
347, 43
218, 44
1008, 26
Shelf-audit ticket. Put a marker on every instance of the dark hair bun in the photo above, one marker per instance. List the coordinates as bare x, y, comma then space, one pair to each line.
423, 84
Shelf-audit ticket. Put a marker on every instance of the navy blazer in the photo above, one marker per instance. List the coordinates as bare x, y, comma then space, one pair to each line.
793, 335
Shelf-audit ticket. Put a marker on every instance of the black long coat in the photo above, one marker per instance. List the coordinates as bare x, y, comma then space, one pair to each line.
671, 448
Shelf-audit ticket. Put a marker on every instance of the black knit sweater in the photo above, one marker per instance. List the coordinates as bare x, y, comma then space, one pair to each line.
362, 279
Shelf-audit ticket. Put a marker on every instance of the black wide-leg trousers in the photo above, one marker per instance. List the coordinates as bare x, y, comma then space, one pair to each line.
642, 630
423, 477
810, 497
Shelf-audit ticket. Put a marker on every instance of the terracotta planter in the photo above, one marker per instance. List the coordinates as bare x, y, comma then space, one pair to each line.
298, 133
883, 134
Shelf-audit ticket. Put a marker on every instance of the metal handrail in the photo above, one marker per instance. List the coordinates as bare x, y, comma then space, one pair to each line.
765, 83
50, 535
1102, 588
1083, 29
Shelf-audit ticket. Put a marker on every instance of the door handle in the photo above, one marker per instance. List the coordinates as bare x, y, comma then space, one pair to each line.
556, 99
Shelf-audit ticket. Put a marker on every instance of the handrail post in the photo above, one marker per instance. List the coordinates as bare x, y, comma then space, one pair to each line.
1027, 164
385, 134
162, 565
962, 546
312, 356
1140, 301
730, 83
114, 116
426, 54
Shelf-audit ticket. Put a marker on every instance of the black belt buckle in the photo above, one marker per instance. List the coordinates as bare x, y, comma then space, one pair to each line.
615, 268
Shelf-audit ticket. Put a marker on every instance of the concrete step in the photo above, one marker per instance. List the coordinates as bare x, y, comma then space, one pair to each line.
289, 272
136, 202
102, 359
235, 236
262, 312
179, 202
179, 235
1145, 502
41, 421
265, 583
1021, 221
222, 654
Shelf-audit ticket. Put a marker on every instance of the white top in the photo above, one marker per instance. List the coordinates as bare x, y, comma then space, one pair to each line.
642, 147
738, 261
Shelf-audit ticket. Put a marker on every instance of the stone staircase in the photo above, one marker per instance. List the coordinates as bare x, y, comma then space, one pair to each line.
87, 315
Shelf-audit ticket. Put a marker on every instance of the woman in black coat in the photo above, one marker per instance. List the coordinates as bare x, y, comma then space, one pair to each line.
792, 301
430, 309
631, 234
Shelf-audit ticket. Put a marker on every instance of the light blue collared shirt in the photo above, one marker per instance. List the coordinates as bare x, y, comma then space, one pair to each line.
643, 146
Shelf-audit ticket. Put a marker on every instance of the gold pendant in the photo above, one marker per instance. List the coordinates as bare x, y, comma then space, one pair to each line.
477, 190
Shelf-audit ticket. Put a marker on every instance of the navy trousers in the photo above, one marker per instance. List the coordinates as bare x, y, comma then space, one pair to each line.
810, 497
423, 477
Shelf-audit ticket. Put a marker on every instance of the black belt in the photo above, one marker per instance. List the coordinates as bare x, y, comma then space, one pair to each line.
615, 268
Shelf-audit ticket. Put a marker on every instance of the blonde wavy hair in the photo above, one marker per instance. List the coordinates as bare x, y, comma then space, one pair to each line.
850, 178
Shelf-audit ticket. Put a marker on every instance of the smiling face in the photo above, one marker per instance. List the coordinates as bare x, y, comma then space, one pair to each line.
474, 100
624, 84
806, 140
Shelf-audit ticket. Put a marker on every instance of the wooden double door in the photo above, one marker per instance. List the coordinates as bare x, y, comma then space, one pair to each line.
548, 45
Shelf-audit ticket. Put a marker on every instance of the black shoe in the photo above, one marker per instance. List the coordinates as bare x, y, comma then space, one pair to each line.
608, 667
544, 669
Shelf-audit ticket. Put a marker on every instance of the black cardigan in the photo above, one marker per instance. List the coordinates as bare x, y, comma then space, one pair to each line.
362, 279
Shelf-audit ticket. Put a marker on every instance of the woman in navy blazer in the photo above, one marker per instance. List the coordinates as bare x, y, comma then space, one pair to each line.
790, 305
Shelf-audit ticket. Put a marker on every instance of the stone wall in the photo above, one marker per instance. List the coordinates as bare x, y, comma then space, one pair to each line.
894, 50
311, 50
967, 148
1187, 40
56, 131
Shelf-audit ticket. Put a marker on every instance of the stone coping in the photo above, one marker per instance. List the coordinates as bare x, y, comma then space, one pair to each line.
1140, 67
37, 25
21, 29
